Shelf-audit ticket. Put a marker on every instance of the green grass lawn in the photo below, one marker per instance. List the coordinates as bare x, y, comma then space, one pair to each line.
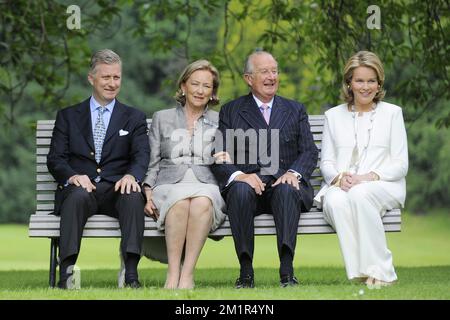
421, 257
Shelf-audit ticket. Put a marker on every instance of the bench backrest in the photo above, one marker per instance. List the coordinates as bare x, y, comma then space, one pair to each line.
46, 185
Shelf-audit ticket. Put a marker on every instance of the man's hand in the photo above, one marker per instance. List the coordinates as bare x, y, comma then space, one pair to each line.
150, 208
82, 181
126, 184
253, 180
288, 178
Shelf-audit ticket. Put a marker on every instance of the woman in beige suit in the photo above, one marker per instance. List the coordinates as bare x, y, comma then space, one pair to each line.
182, 193
364, 164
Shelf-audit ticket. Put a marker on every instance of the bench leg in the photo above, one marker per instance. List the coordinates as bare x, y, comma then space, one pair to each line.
53, 261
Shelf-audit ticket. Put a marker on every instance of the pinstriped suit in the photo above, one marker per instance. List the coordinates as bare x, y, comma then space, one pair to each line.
297, 151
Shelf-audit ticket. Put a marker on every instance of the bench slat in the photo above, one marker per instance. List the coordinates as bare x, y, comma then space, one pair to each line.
103, 233
48, 226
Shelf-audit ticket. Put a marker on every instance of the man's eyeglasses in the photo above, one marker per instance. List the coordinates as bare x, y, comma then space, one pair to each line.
266, 72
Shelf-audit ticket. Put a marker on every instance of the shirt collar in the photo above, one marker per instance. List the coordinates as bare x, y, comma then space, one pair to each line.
94, 105
259, 102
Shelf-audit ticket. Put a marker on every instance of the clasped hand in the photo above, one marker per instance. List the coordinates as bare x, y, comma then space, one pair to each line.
150, 208
349, 180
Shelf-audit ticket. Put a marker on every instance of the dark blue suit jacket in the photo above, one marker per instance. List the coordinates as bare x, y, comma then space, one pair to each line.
296, 146
72, 148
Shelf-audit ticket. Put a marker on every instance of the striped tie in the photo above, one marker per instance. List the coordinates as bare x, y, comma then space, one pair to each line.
265, 112
99, 134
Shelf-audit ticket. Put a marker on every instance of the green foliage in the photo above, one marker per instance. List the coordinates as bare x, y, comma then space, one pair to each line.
37, 49
43, 65
17, 177
170, 34
39, 56
312, 41
429, 172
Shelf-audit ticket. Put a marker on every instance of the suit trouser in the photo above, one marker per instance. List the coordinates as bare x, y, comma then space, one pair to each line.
243, 204
78, 205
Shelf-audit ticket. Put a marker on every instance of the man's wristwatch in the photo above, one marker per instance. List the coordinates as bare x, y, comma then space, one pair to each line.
298, 175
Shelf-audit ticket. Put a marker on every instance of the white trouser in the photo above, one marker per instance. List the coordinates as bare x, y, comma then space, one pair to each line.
356, 217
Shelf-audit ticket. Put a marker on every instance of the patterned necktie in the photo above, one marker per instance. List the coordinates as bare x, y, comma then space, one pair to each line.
265, 112
99, 134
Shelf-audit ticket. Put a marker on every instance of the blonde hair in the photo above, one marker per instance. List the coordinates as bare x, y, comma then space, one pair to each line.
362, 59
188, 71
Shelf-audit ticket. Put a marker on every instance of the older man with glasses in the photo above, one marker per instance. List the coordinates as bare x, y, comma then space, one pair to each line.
252, 185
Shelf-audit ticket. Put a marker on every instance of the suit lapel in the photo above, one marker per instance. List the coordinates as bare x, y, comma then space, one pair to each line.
116, 122
280, 113
251, 113
84, 122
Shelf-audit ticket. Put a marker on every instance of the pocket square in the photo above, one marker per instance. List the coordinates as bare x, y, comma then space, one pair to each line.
123, 132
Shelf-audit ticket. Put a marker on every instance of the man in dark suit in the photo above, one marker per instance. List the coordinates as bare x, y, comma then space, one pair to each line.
250, 183
98, 155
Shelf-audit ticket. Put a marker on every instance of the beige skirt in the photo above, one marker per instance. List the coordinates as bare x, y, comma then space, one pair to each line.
166, 195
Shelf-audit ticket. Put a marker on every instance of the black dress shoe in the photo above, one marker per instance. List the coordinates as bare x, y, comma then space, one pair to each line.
62, 284
288, 280
133, 284
246, 281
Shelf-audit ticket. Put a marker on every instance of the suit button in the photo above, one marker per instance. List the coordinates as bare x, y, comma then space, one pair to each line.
60, 187
92, 153
99, 170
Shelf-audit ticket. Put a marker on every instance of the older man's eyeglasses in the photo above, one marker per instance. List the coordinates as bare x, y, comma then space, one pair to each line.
266, 72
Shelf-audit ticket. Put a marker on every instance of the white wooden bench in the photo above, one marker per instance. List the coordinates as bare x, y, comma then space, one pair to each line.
44, 224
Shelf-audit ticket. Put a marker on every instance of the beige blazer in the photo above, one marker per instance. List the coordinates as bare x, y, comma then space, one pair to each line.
173, 150
387, 152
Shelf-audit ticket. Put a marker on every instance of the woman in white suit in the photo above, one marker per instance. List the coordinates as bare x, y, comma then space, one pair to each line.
364, 164
182, 193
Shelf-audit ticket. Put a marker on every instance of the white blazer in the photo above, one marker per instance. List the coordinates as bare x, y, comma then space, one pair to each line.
387, 152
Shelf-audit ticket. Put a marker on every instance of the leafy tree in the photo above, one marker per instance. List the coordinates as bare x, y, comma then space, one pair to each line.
43, 66
322, 35
39, 56
429, 173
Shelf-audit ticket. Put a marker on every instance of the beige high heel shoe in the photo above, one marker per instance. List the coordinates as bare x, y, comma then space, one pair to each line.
373, 283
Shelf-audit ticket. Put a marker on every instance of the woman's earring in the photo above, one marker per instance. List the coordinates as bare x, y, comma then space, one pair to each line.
182, 93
